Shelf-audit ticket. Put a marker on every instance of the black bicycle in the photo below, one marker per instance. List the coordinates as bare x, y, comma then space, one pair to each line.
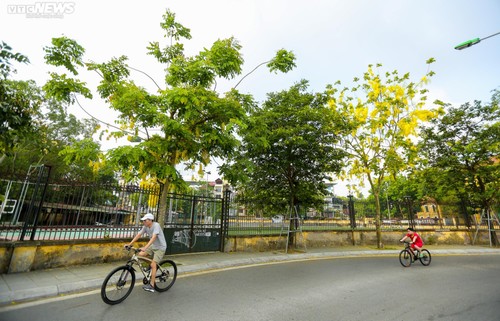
119, 283
407, 257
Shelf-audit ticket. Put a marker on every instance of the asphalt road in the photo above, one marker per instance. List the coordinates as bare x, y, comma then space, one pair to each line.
374, 288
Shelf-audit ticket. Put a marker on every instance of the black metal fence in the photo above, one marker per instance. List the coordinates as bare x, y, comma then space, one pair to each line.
93, 211
348, 213
33, 209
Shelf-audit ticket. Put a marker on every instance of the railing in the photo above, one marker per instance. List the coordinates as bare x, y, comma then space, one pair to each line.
13, 233
83, 211
238, 226
69, 212
247, 225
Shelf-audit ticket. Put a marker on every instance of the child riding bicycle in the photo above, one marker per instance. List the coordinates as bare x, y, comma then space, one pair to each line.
416, 242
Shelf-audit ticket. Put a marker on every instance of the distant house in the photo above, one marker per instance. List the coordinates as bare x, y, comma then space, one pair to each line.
218, 186
429, 209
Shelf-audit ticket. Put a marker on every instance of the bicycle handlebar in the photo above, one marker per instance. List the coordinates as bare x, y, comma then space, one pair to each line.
131, 248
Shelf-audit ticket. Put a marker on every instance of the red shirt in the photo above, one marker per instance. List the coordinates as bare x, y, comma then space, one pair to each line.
418, 240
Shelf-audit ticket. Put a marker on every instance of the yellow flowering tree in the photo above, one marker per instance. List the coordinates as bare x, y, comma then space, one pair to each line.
383, 112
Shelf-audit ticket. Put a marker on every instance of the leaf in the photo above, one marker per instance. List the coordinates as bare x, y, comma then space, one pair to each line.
430, 61
284, 61
65, 52
62, 88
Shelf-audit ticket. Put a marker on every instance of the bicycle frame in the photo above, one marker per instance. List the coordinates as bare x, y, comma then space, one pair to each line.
408, 247
137, 260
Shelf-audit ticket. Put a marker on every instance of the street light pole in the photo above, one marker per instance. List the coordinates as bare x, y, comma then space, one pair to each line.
473, 42
208, 173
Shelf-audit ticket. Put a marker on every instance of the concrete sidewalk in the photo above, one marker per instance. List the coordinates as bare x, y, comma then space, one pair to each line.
19, 287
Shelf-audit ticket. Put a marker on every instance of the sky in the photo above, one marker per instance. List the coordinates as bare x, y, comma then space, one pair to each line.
332, 40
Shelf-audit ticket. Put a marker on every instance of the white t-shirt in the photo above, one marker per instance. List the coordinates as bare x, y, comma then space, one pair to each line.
159, 243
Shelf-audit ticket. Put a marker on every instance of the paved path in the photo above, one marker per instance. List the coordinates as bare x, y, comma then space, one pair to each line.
19, 287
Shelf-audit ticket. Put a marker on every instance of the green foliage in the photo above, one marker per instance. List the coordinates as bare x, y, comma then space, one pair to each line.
194, 122
288, 150
36, 128
85, 149
51, 132
61, 88
113, 74
461, 150
224, 57
284, 61
65, 52
6, 55
20, 104
174, 29
84, 161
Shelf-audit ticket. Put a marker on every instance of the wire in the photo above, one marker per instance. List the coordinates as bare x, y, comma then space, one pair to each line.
103, 122
159, 88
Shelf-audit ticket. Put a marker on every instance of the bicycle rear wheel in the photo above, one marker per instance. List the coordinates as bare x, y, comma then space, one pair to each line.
166, 276
426, 257
405, 258
117, 285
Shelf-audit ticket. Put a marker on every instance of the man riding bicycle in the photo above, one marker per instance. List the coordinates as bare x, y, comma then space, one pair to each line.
155, 248
416, 242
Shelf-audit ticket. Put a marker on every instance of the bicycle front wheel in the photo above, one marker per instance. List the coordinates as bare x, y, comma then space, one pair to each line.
426, 257
118, 285
165, 275
405, 258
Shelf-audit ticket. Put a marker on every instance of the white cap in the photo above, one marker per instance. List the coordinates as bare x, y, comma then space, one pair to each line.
148, 216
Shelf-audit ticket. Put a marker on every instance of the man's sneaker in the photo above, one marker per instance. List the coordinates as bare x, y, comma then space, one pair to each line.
148, 287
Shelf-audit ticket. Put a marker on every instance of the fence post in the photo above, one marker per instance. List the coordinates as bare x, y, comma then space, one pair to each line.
41, 171
191, 229
224, 222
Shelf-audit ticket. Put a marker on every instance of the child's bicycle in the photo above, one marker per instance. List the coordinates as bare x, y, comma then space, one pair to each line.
119, 283
406, 257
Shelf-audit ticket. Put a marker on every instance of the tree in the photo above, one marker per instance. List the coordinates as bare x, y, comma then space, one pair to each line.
288, 150
464, 146
192, 121
20, 101
383, 124
35, 126
53, 136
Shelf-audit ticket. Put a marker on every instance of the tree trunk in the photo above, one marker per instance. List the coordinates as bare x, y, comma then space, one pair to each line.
162, 210
378, 217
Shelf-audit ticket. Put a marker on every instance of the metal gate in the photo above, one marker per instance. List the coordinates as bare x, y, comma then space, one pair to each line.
195, 224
